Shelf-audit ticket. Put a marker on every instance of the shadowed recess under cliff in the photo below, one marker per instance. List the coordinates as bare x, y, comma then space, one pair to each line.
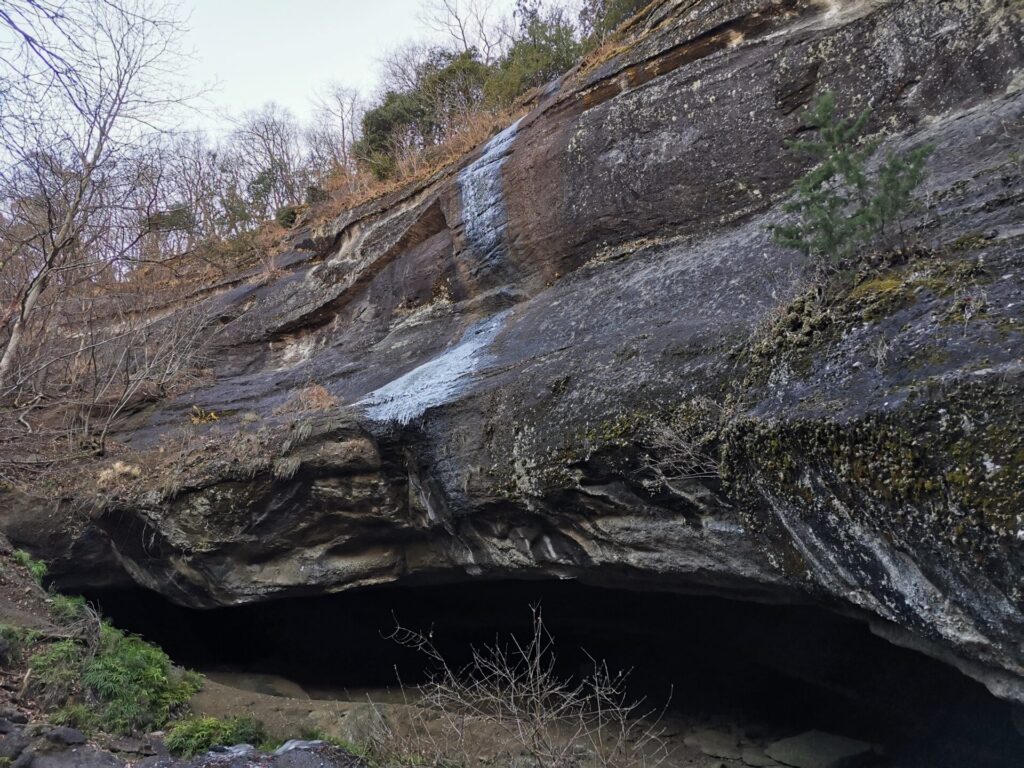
779, 668
863, 434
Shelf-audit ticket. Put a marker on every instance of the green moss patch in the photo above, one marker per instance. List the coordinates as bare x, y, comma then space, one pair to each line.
952, 472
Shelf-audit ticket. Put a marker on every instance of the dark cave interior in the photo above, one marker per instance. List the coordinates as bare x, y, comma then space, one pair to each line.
784, 667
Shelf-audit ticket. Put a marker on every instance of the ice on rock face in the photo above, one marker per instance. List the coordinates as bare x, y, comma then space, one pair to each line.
437, 381
440, 380
483, 202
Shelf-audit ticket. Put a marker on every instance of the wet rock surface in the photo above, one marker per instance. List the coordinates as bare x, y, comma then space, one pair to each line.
501, 341
292, 754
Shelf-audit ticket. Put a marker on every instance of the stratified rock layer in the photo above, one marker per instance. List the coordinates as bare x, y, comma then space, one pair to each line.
510, 342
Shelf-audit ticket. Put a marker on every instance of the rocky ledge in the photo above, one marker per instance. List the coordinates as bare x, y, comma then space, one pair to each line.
42, 746
579, 354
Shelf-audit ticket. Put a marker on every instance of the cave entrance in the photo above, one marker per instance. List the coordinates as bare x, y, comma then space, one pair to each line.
777, 668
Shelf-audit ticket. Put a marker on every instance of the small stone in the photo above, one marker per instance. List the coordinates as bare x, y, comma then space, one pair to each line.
12, 745
65, 736
817, 749
132, 745
76, 757
714, 743
160, 761
15, 716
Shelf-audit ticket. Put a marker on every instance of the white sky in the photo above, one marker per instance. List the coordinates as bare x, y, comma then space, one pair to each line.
285, 50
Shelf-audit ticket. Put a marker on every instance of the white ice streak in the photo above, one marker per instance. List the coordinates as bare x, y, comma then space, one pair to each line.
437, 381
483, 204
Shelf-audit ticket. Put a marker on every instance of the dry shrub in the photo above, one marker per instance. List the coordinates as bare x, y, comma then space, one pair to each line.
311, 398
117, 473
350, 190
176, 454
607, 50
684, 446
248, 451
474, 129
200, 416
509, 702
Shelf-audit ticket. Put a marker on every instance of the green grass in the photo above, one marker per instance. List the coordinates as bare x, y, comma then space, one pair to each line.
36, 567
16, 640
56, 669
80, 716
67, 608
136, 681
129, 685
196, 735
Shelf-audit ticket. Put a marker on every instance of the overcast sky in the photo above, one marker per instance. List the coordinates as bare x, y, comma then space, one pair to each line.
284, 50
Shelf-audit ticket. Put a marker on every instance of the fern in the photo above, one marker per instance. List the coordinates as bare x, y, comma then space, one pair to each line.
196, 735
130, 684
36, 567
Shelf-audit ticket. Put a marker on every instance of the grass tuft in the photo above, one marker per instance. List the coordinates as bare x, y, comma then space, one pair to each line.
196, 735
36, 567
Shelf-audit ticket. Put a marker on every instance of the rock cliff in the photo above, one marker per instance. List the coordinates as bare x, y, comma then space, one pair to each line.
579, 354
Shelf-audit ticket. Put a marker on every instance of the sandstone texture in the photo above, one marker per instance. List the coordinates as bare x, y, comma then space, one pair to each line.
507, 344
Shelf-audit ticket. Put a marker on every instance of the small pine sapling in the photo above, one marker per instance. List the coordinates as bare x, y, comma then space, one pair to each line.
840, 206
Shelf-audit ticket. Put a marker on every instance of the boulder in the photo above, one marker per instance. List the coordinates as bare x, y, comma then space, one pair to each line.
73, 757
13, 744
63, 736
817, 749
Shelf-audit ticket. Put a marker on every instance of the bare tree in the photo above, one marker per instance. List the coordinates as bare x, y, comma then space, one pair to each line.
194, 181
336, 127
469, 25
64, 148
267, 150
37, 31
400, 67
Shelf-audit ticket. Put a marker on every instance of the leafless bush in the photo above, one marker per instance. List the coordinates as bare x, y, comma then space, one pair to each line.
880, 351
172, 475
684, 446
510, 702
84, 626
967, 304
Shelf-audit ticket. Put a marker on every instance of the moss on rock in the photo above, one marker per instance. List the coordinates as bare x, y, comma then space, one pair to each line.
950, 473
